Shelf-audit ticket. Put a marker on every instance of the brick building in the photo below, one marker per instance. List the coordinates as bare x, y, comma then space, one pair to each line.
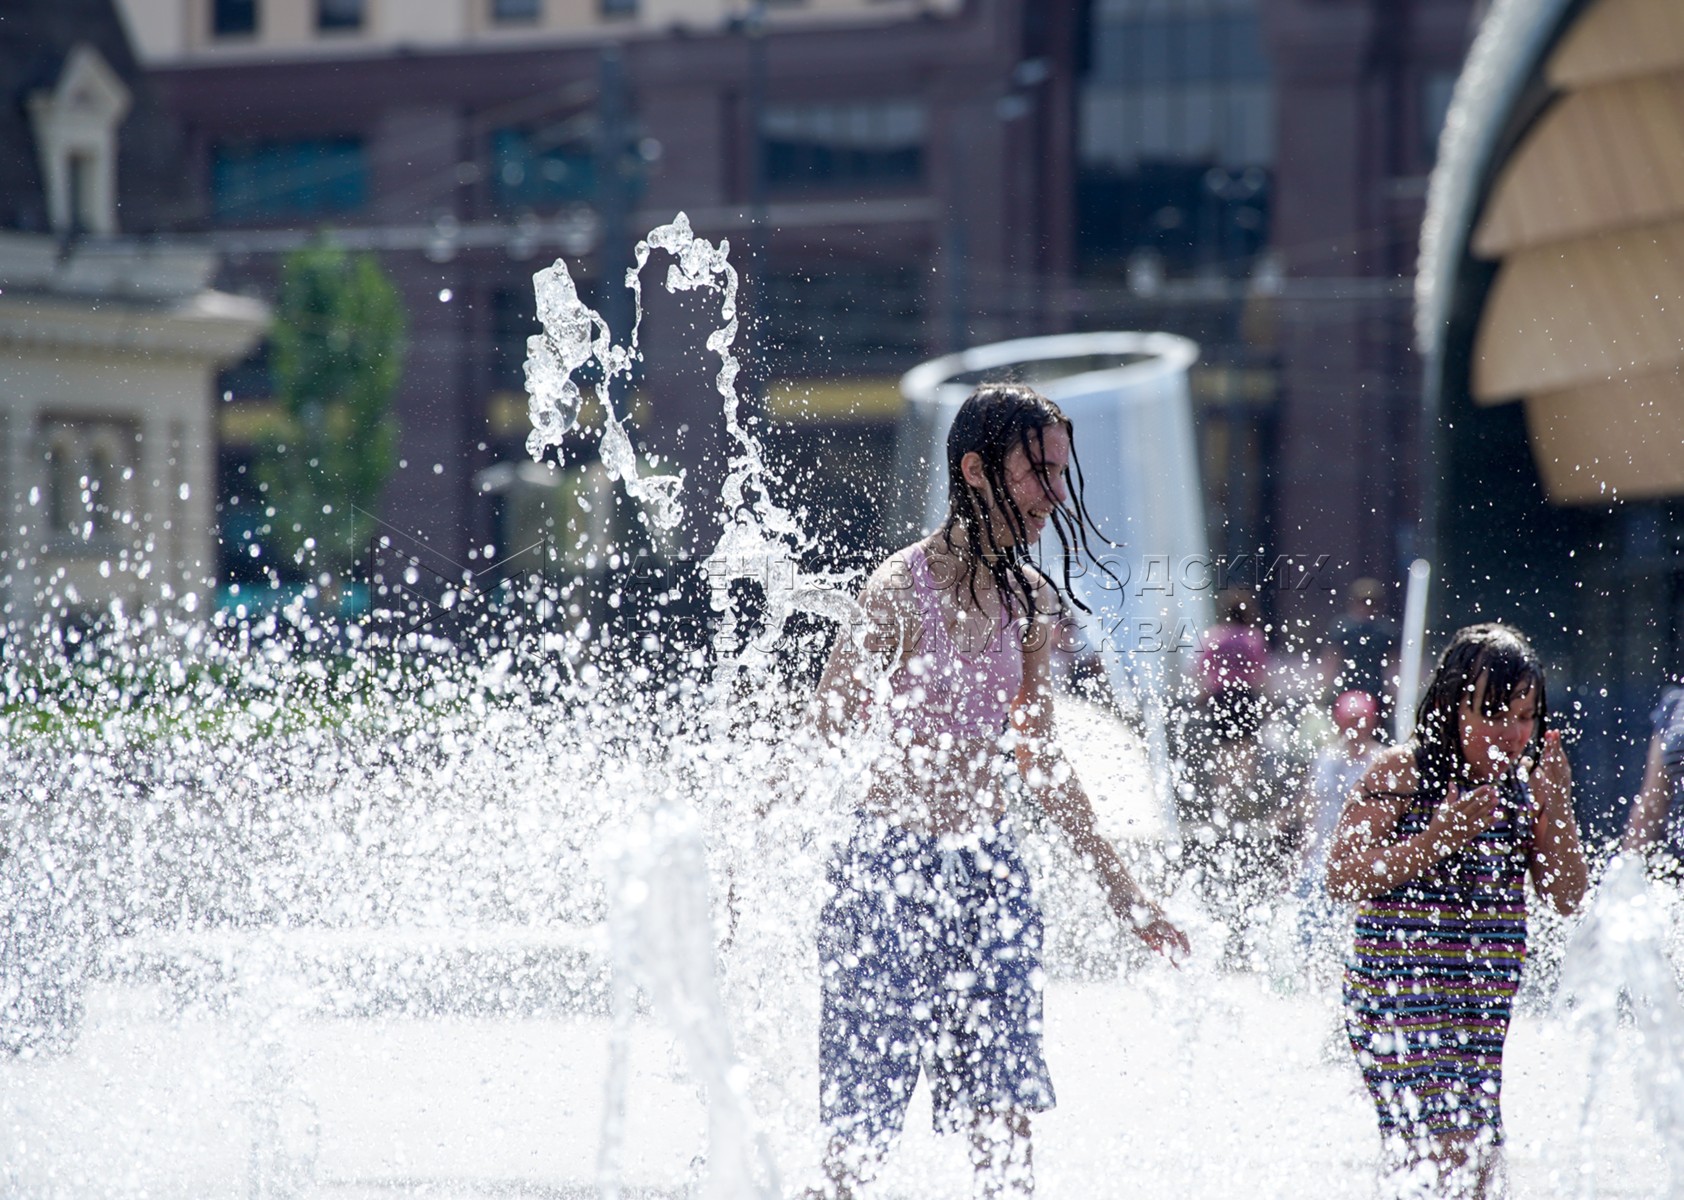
1362, 88
897, 178
844, 149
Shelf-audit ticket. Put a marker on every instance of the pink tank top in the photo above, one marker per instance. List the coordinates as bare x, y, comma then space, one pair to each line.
946, 690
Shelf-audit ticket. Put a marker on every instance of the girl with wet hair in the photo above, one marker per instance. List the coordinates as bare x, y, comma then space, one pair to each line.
998, 419
1435, 846
930, 941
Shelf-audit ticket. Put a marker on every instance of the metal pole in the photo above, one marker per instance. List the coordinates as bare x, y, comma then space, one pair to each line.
613, 189
755, 26
1410, 650
757, 272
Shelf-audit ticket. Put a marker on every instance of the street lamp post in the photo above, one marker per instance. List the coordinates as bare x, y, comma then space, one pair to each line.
756, 279
613, 187
754, 25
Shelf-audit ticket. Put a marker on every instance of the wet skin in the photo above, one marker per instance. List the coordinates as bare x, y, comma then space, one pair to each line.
1367, 859
947, 785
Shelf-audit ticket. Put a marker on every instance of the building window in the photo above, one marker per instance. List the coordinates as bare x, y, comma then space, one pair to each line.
233, 18
845, 320
75, 126
90, 467
1187, 85
541, 166
309, 177
864, 144
105, 485
513, 320
63, 509
1176, 137
515, 10
84, 178
335, 15
618, 8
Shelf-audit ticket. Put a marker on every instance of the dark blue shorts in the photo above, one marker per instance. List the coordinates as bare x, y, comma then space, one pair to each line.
930, 958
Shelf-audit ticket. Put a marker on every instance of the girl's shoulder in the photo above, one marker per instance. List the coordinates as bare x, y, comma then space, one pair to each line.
1391, 774
898, 567
897, 577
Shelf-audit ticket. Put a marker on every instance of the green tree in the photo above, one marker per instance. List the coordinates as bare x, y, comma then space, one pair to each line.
337, 350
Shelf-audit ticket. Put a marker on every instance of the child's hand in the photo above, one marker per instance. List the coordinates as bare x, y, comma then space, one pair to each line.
1161, 936
1462, 816
1552, 778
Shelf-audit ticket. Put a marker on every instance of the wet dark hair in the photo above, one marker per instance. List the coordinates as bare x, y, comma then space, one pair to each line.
994, 419
1506, 661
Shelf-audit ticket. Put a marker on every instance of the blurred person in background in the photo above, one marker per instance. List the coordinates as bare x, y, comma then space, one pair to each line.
1361, 650
1308, 823
1655, 827
1233, 667
1234, 786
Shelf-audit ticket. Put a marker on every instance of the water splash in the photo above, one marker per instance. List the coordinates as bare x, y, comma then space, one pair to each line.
664, 946
403, 835
660, 912
761, 542
1616, 964
576, 335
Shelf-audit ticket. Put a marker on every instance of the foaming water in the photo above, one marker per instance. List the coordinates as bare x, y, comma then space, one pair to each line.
297, 911
761, 541
1619, 985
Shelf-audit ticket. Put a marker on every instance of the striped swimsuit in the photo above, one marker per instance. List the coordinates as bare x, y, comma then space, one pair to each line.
1432, 977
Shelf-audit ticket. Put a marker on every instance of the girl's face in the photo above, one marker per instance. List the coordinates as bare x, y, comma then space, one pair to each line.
1492, 745
1036, 485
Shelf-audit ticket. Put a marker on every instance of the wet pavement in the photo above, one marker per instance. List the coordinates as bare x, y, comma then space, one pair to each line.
1250, 1095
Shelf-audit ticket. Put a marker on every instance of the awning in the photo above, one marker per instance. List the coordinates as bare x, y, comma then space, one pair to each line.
1585, 320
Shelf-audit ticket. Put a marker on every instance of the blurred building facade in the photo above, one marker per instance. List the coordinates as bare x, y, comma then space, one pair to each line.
109, 341
845, 149
898, 179
1364, 86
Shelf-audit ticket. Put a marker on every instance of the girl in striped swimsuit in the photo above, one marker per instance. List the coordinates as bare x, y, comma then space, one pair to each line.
1435, 846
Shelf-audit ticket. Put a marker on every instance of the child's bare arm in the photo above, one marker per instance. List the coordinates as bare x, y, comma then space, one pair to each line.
1368, 859
861, 654
1649, 809
1055, 787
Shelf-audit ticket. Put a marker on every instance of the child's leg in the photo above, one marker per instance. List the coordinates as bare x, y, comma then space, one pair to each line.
872, 952
991, 1074
1469, 1165
849, 1165
1445, 1166
1001, 1151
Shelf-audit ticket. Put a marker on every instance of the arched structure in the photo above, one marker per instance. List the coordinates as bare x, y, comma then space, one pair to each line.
1550, 307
